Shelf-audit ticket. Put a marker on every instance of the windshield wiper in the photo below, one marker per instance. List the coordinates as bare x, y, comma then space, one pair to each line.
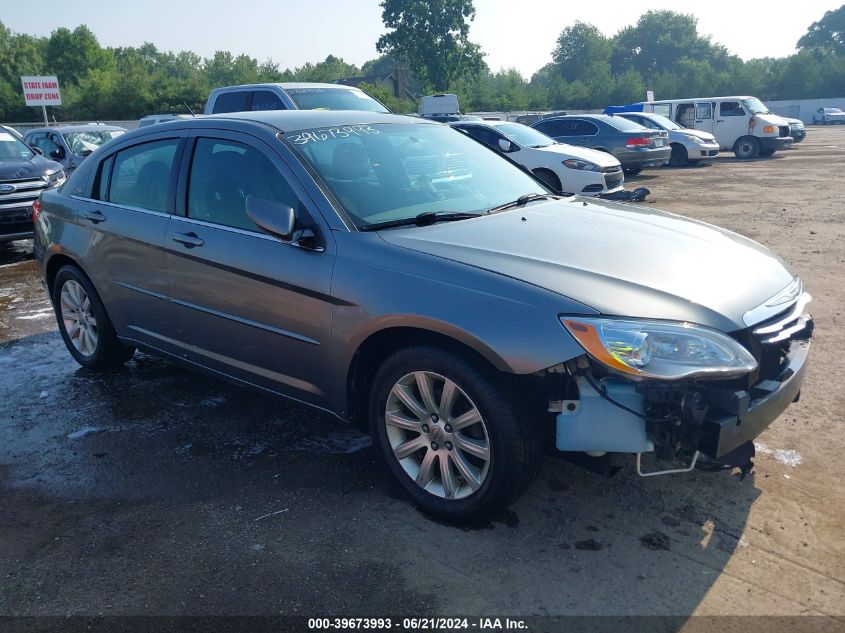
423, 219
522, 201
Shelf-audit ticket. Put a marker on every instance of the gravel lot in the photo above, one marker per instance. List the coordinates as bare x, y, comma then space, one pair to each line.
161, 491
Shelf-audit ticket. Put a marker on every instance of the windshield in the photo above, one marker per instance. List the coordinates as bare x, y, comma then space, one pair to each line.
525, 135
832, 111
666, 124
755, 106
396, 171
334, 99
82, 142
13, 150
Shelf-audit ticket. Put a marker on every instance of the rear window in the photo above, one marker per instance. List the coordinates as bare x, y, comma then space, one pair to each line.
236, 101
334, 99
626, 125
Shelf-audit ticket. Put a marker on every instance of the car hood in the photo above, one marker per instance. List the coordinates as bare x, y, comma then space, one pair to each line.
617, 258
771, 119
603, 159
704, 136
34, 168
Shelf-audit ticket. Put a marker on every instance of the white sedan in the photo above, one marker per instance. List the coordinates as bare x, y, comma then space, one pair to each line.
563, 167
829, 116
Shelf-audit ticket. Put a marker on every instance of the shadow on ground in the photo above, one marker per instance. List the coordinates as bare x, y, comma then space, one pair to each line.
159, 490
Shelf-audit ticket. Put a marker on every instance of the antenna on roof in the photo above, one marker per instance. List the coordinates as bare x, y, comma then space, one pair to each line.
189, 108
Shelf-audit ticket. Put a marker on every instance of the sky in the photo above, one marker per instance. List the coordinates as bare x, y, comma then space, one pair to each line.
517, 34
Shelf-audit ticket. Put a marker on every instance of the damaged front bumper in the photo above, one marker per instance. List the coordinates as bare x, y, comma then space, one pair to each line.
685, 419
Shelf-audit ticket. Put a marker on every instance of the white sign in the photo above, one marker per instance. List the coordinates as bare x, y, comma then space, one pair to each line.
41, 91
649, 95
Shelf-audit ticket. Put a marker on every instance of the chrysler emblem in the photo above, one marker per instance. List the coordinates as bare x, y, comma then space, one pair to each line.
5, 188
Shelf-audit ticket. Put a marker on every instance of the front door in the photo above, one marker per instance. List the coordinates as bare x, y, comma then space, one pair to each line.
731, 123
249, 305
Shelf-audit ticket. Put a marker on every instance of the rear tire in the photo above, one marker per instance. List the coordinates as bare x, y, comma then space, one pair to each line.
746, 148
679, 156
549, 178
84, 325
411, 423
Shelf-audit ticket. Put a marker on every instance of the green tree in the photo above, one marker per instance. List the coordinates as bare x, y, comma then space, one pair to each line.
433, 38
73, 54
580, 49
658, 42
826, 34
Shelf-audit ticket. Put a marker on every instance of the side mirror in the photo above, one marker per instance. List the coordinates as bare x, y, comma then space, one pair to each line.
275, 218
57, 154
37, 150
506, 146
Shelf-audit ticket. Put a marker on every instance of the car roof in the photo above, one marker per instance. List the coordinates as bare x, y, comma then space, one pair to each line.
290, 85
598, 117
290, 120
90, 127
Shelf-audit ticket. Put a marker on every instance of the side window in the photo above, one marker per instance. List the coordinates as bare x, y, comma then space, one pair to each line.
101, 182
731, 108
223, 174
587, 128
662, 108
567, 127
703, 111
236, 101
266, 100
485, 135
551, 128
141, 175
37, 140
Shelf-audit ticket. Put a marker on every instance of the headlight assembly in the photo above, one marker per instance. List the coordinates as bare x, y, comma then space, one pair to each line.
582, 165
56, 178
662, 350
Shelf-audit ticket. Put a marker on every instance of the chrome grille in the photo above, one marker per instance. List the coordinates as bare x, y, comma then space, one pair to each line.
24, 194
785, 324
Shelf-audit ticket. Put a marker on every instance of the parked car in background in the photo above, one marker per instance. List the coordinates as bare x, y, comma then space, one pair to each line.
71, 144
290, 96
829, 116
633, 145
24, 174
470, 323
153, 119
743, 125
797, 129
562, 167
443, 108
688, 146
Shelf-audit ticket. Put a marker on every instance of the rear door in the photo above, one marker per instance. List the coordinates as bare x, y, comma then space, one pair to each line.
249, 305
123, 223
704, 116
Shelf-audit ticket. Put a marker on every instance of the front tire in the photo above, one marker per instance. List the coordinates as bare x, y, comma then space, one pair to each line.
450, 435
632, 171
84, 325
746, 148
679, 156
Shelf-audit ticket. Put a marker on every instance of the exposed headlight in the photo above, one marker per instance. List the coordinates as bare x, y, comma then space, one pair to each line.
663, 350
696, 139
56, 178
583, 165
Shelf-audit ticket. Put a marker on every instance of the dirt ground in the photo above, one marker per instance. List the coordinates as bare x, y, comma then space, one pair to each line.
161, 491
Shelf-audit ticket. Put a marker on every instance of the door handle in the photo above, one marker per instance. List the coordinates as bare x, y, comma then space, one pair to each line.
95, 217
190, 240
720, 120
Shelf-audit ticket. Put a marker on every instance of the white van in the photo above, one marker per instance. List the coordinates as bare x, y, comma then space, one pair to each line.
743, 125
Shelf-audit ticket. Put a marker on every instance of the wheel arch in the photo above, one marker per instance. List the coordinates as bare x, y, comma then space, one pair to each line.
375, 348
55, 263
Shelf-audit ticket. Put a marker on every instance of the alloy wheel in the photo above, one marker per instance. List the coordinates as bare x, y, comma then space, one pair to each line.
79, 321
437, 434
